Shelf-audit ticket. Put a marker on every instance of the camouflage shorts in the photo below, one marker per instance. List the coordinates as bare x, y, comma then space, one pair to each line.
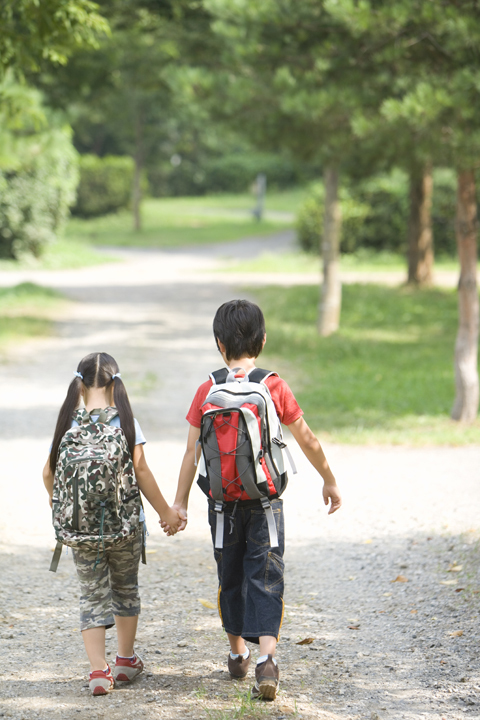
112, 588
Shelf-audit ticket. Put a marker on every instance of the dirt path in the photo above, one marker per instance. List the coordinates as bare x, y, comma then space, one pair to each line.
381, 649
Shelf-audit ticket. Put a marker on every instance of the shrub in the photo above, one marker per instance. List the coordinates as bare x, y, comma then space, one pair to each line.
36, 194
232, 172
105, 185
375, 214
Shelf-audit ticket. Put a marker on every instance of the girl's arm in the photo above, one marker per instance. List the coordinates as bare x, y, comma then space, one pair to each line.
149, 488
313, 451
48, 480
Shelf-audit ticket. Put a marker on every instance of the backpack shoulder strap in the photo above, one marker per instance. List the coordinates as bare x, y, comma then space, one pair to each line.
219, 376
259, 375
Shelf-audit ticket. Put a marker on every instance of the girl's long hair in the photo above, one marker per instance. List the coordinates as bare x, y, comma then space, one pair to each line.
97, 370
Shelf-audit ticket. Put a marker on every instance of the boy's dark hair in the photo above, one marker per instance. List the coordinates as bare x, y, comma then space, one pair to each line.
240, 326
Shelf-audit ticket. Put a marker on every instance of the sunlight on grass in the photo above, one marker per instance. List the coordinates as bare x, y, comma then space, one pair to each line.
176, 222
61, 255
385, 377
302, 262
25, 312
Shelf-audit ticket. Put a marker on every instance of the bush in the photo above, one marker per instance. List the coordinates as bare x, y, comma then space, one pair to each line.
375, 214
105, 185
309, 224
233, 172
36, 195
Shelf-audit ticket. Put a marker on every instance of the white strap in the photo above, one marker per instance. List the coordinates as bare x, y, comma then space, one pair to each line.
219, 525
272, 528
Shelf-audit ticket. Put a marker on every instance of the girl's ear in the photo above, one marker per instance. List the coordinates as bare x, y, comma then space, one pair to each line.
264, 340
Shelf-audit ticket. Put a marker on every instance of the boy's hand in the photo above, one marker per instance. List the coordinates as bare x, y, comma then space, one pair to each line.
180, 515
331, 492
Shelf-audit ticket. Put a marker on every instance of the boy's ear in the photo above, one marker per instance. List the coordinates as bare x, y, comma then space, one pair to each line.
220, 346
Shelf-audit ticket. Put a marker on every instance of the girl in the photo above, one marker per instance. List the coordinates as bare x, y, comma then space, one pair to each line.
109, 584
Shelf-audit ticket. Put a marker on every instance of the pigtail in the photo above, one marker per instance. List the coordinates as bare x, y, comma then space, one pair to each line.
64, 420
122, 403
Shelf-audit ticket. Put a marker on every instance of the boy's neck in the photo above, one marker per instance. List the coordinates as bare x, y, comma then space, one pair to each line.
247, 363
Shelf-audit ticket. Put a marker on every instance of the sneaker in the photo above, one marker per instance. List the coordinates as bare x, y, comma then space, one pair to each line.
238, 667
127, 669
101, 681
267, 680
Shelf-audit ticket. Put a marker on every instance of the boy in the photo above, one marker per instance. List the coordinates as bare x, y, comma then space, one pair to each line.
250, 570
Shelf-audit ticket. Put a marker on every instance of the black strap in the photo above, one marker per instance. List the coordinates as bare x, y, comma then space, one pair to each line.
56, 557
255, 375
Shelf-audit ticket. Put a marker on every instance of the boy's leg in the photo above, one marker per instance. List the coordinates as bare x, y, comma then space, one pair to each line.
268, 645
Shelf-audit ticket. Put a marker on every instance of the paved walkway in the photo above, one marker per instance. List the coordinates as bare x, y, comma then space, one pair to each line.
381, 649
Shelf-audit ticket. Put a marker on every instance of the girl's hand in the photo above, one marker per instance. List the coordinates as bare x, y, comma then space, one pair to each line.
181, 513
171, 521
332, 493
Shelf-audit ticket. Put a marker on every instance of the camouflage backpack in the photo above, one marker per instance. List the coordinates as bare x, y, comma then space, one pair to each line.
96, 501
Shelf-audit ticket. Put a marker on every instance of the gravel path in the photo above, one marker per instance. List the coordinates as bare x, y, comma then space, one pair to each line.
388, 588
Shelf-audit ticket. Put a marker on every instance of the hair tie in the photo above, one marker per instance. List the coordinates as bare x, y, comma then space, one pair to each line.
116, 375
77, 374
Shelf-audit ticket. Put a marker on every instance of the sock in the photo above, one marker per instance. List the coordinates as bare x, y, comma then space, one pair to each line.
244, 655
122, 657
263, 658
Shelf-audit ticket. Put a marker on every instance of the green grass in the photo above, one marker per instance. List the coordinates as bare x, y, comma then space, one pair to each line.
62, 255
302, 262
25, 312
175, 222
385, 377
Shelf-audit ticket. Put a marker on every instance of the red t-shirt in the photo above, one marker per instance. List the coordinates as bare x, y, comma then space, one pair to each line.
288, 410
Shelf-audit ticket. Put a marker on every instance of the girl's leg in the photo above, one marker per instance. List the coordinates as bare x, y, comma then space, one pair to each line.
126, 631
94, 641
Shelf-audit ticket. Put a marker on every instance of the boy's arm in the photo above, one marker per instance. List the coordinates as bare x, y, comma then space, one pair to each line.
313, 451
149, 488
48, 480
186, 477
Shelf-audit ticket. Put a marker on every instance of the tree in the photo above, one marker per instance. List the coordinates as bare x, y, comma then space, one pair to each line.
466, 347
32, 31
124, 97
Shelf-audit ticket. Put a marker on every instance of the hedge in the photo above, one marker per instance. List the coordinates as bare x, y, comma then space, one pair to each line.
105, 185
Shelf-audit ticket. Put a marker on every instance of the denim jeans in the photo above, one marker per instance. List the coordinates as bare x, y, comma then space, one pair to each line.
250, 572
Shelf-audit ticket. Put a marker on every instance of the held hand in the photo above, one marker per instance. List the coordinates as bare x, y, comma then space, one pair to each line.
181, 513
331, 493
175, 520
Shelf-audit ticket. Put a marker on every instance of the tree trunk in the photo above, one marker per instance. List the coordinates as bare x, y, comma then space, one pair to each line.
420, 236
466, 347
137, 177
331, 293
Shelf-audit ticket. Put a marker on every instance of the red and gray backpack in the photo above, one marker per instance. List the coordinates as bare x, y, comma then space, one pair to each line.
242, 445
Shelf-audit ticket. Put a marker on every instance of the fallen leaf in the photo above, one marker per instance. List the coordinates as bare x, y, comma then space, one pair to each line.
354, 627
400, 578
455, 568
151, 552
413, 612
459, 589
456, 633
387, 594
207, 604
367, 542
305, 641
448, 582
